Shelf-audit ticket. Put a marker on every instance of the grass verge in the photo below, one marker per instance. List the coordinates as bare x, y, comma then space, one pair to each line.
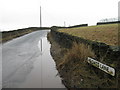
8, 35
73, 68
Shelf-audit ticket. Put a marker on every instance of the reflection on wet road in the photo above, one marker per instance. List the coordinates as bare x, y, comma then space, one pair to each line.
27, 63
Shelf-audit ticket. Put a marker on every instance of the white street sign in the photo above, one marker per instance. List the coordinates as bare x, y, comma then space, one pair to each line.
101, 66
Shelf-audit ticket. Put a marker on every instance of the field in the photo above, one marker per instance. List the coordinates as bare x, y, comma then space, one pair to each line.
101, 33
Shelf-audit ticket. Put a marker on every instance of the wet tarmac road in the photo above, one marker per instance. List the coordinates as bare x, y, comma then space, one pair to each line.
27, 63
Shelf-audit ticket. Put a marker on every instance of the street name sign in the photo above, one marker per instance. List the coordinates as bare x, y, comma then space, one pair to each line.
101, 66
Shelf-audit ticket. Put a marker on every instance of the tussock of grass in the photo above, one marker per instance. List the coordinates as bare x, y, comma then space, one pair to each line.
102, 33
78, 53
76, 71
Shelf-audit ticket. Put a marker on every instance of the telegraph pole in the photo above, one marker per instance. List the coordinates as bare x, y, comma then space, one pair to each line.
64, 24
40, 18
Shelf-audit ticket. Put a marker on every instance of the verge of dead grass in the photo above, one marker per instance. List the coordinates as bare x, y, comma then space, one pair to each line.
77, 72
73, 69
12, 36
78, 53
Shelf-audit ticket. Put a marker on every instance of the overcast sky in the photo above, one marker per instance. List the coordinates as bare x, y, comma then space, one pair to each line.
16, 14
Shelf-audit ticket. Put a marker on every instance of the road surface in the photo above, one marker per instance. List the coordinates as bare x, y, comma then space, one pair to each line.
27, 63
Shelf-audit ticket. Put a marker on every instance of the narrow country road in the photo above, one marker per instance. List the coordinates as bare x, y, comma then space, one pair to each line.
27, 63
